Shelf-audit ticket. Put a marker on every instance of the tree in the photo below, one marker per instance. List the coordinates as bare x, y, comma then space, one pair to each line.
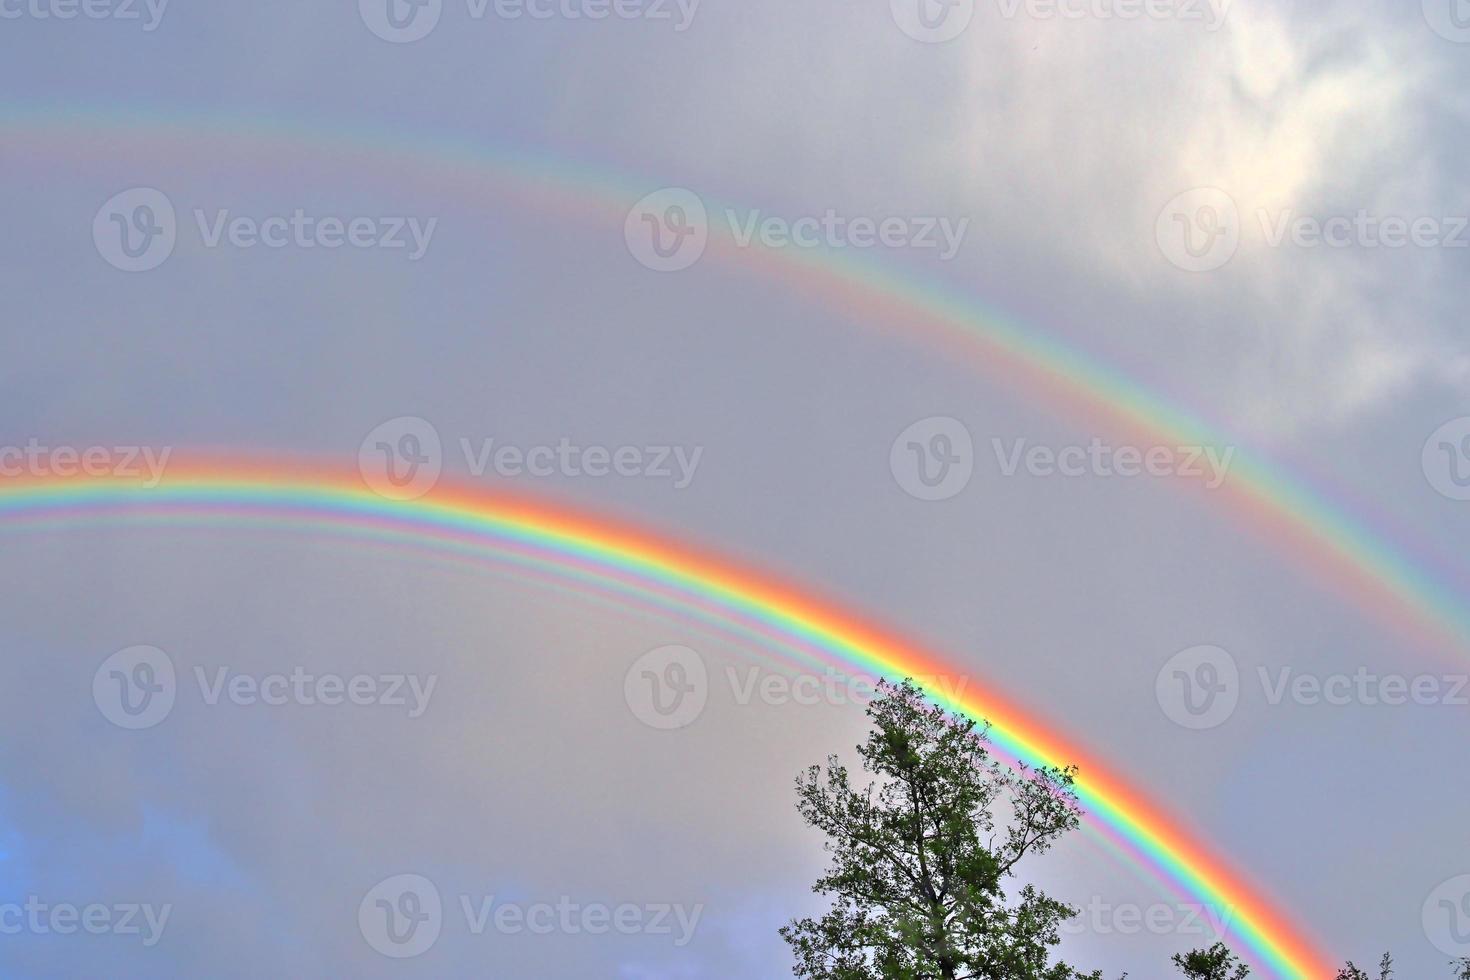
1215, 963
1218, 963
1351, 972
919, 862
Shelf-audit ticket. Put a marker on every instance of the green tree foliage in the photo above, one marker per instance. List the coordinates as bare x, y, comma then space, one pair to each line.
1385, 970
1351, 972
1215, 963
919, 861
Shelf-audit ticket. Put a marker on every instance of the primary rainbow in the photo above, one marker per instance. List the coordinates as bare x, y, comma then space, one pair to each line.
236, 492
1415, 594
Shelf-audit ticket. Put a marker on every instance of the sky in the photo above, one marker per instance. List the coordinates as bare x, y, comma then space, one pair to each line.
285, 228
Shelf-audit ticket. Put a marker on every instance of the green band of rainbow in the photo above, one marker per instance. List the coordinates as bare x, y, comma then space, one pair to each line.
238, 491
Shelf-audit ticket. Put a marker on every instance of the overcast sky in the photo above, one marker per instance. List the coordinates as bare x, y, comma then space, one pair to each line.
1158, 192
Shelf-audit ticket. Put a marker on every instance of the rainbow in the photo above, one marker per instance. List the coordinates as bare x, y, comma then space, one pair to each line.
304, 495
1410, 591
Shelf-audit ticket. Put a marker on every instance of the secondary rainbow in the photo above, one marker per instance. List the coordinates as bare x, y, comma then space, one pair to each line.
1418, 596
303, 494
